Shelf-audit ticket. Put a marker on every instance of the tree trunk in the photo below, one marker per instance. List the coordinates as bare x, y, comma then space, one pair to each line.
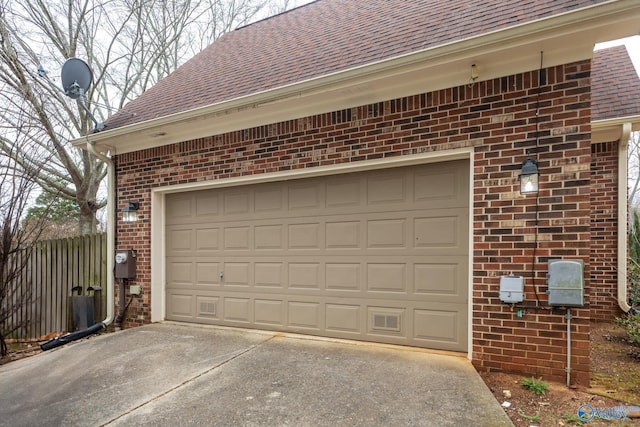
87, 223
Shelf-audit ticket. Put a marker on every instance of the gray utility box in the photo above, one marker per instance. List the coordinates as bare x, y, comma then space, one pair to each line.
511, 289
565, 282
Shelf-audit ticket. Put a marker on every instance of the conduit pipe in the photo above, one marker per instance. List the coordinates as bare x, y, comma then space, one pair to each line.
568, 317
111, 176
622, 217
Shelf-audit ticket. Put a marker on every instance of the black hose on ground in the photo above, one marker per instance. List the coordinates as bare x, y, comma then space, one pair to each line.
60, 341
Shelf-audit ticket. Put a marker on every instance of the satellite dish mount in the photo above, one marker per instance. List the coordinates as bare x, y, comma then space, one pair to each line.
76, 79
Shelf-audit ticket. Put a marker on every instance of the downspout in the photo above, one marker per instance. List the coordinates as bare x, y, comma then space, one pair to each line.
622, 217
111, 174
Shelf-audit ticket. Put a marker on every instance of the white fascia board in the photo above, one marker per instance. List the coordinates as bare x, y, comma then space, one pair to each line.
611, 129
563, 38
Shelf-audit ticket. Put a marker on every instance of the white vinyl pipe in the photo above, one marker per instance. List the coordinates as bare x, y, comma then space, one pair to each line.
111, 179
59, 341
622, 217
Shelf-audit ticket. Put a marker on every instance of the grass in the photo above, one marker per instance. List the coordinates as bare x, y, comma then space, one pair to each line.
536, 386
531, 418
624, 386
573, 419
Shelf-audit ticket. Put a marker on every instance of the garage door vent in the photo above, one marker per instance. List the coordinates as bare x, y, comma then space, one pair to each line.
207, 308
386, 322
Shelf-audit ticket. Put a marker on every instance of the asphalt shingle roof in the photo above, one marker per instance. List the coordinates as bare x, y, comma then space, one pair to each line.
324, 37
615, 85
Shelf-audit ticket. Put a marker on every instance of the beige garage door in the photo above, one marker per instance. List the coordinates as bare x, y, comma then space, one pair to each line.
377, 256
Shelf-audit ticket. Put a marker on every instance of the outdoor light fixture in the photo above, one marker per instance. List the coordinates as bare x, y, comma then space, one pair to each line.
130, 212
529, 177
474, 72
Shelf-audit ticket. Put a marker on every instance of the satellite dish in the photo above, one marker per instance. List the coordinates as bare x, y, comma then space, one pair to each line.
76, 77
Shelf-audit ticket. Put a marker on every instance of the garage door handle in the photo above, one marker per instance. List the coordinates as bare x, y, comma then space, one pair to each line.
221, 275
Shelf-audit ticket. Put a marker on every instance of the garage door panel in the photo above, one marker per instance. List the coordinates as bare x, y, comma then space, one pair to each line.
237, 310
180, 306
437, 232
304, 315
270, 274
441, 327
304, 236
344, 318
270, 199
440, 186
207, 273
387, 277
269, 237
304, 275
341, 276
306, 196
378, 256
343, 235
345, 193
237, 238
179, 241
207, 239
207, 205
237, 274
269, 312
386, 188
387, 321
438, 278
387, 233
207, 308
180, 208
180, 273
237, 202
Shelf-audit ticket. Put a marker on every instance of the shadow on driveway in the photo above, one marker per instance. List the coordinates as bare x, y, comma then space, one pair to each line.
172, 374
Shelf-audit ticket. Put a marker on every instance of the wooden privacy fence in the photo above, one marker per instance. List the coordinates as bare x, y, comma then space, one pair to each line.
56, 271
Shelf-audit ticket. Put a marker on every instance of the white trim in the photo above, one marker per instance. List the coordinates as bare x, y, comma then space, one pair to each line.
608, 130
158, 206
158, 255
470, 271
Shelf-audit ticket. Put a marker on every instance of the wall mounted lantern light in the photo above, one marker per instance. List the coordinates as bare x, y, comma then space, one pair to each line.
529, 177
130, 212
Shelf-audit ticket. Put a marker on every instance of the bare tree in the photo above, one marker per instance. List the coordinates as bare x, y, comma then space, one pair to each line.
129, 44
16, 242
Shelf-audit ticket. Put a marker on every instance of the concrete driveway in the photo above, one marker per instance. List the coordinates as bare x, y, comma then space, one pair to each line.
173, 375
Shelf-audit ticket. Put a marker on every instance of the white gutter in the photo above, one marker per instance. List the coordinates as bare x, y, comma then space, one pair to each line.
622, 217
111, 179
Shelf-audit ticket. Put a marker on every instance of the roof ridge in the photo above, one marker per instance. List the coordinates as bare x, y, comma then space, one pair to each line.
270, 17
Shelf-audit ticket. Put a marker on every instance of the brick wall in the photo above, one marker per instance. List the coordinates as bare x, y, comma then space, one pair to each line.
604, 231
498, 119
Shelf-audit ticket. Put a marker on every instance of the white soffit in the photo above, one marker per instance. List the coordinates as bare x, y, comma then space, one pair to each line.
610, 130
562, 39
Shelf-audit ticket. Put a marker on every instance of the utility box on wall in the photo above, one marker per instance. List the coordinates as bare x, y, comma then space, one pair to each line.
511, 289
125, 264
566, 282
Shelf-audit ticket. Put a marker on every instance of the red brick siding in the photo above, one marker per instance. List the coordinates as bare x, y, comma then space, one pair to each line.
604, 231
498, 119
